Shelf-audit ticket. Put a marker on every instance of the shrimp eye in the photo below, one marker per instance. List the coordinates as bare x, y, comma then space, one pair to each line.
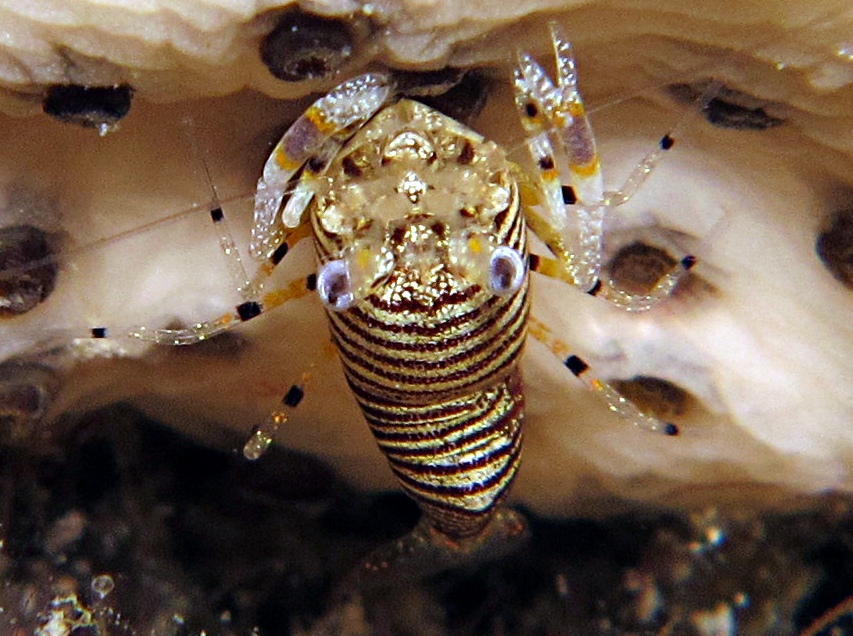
334, 284
506, 271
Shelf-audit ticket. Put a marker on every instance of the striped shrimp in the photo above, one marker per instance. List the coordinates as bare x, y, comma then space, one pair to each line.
430, 351
420, 229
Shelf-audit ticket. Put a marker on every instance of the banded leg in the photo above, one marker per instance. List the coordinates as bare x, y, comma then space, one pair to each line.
234, 261
312, 139
628, 301
573, 221
243, 312
262, 435
251, 288
254, 300
617, 402
248, 288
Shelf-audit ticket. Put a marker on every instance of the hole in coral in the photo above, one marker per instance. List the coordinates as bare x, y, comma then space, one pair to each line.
460, 96
729, 109
834, 246
638, 266
27, 274
304, 46
88, 106
655, 396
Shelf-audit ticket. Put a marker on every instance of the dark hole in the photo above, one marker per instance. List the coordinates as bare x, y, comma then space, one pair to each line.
88, 106
427, 83
637, 267
834, 246
27, 274
729, 108
464, 99
23, 399
657, 397
304, 46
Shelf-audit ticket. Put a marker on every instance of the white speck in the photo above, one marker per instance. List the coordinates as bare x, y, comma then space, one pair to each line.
845, 51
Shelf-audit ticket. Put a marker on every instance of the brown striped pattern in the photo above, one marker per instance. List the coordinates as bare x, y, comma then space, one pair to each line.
456, 457
435, 373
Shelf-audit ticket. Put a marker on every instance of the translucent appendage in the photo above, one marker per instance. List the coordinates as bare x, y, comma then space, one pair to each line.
262, 435
308, 141
576, 212
426, 551
616, 402
419, 554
